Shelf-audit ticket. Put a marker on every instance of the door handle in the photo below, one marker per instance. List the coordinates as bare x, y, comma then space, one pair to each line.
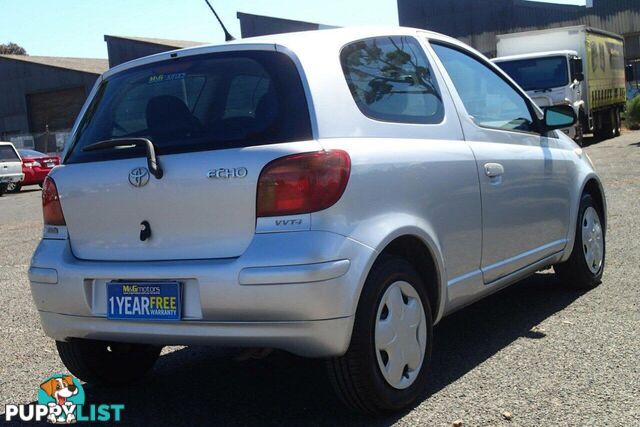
493, 169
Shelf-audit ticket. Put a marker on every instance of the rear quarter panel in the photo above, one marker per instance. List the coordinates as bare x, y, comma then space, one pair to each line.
425, 188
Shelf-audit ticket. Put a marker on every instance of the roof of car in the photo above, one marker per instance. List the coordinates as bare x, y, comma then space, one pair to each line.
296, 42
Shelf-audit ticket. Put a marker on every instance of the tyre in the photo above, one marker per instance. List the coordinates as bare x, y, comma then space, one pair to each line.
598, 124
584, 269
13, 187
102, 362
617, 131
384, 369
3, 189
603, 126
608, 126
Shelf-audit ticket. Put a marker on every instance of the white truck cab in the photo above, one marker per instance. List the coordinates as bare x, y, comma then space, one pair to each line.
578, 66
549, 78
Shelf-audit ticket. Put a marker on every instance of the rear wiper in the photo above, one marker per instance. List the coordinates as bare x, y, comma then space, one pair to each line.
152, 160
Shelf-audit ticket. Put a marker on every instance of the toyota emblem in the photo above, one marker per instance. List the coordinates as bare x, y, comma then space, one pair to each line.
139, 177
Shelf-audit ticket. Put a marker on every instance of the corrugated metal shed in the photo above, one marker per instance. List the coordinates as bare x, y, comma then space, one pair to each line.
122, 49
477, 22
32, 86
259, 25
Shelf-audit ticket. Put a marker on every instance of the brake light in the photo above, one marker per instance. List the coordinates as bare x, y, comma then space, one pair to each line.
302, 183
51, 207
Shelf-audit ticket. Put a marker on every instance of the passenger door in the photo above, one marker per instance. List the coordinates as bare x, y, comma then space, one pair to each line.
524, 176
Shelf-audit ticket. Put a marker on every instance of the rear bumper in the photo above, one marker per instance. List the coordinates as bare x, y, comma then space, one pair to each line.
321, 338
7, 179
294, 291
35, 176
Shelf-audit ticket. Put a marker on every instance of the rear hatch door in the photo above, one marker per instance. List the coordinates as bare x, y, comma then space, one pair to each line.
216, 120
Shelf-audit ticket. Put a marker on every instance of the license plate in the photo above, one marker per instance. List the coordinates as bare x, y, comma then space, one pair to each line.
49, 165
143, 300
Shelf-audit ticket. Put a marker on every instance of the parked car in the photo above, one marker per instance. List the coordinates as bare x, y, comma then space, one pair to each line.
333, 194
10, 167
35, 166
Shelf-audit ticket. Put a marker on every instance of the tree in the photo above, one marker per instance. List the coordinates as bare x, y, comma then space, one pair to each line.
12, 49
378, 72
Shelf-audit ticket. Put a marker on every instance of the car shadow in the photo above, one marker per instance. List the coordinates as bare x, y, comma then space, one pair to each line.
200, 385
590, 140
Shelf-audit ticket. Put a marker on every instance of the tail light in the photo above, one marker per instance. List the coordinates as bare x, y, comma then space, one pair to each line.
51, 207
302, 183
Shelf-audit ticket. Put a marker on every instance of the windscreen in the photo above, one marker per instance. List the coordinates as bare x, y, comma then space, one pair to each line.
197, 103
538, 73
8, 154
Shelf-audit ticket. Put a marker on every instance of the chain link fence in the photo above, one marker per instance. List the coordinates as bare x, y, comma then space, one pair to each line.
45, 142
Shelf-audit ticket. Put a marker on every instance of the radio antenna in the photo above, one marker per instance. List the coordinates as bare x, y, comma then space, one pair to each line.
227, 35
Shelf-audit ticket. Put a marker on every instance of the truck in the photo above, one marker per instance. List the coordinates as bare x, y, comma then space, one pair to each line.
579, 66
10, 166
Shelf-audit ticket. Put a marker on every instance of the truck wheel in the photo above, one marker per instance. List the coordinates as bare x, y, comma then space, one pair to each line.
107, 363
618, 122
384, 369
13, 187
605, 128
583, 270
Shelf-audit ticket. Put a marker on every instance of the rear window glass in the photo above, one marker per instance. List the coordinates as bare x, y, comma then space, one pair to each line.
8, 154
391, 80
197, 103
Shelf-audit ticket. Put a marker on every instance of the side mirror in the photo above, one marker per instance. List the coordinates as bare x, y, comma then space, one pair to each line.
559, 117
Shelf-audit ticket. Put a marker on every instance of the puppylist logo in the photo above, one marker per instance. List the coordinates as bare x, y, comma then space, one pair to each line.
61, 400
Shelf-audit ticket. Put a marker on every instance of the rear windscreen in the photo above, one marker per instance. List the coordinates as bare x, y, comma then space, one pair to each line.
197, 103
8, 154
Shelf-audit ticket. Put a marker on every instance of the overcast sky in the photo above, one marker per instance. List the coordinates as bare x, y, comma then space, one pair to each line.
76, 27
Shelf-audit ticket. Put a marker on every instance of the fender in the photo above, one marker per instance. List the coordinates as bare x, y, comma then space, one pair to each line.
407, 225
575, 205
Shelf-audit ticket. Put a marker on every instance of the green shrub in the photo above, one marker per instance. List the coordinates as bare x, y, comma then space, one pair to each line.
633, 113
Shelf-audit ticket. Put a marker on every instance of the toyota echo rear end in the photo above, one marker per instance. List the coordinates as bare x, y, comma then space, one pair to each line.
181, 213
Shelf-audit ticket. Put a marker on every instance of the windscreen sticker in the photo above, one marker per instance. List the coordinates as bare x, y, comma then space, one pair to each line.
159, 78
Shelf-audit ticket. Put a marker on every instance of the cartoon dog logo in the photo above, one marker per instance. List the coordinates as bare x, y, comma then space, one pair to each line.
60, 389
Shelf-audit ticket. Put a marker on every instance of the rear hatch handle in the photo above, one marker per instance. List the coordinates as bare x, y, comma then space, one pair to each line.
152, 161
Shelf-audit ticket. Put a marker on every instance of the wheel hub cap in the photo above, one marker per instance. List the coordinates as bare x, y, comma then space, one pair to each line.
592, 243
400, 335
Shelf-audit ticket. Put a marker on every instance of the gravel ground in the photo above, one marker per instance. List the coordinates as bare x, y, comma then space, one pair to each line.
535, 353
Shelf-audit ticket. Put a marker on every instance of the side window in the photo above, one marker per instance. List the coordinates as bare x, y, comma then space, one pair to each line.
391, 80
489, 99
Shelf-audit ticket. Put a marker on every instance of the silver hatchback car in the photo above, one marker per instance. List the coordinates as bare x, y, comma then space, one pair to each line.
333, 194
